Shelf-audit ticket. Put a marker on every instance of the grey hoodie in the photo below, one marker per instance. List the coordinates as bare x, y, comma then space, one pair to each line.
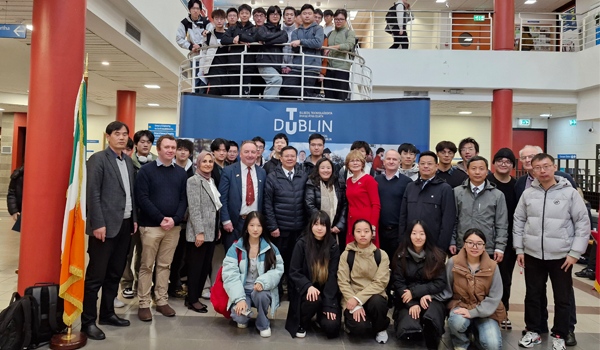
413, 172
311, 39
552, 224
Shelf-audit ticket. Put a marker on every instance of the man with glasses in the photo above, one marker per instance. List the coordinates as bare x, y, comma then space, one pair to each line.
271, 58
338, 64
260, 145
480, 205
316, 144
551, 231
468, 148
523, 183
446, 171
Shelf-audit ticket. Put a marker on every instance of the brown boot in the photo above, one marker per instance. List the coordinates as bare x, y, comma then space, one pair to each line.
166, 310
144, 314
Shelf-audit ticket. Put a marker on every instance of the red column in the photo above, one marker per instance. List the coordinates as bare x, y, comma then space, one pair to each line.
208, 4
502, 102
56, 70
126, 109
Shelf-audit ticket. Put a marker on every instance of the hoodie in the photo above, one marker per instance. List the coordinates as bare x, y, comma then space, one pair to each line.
311, 39
189, 32
412, 173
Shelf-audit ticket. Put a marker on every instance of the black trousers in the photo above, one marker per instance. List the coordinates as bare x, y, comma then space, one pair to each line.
234, 80
592, 258
310, 79
285, 243
257, 90
215, 81
310, 308
199, 264
177, 266
376, 310
400, 40
388, 239
507, 266
339, 85
536, 276
104, 270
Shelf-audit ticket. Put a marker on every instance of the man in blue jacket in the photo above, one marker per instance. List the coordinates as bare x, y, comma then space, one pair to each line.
242, 185
310, 36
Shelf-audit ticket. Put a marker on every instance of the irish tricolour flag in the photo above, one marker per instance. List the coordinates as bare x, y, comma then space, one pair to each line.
73, 236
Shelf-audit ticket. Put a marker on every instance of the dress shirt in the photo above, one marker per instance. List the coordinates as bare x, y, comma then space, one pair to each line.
245, 210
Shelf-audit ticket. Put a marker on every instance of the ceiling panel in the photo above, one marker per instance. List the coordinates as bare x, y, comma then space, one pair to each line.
520, 110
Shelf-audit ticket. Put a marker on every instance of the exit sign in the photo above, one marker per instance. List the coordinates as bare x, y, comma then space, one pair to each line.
524, 122
573, 122
479, 18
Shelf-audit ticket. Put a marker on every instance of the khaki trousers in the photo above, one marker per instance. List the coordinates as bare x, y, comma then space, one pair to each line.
158, 246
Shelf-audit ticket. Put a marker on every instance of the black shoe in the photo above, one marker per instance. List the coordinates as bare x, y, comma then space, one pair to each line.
115, 320
571, 341
93, 332
586, 273
201, 310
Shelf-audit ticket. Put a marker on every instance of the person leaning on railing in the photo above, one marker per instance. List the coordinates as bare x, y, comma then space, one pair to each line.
342, 39
270, 34
238, 34
216, 56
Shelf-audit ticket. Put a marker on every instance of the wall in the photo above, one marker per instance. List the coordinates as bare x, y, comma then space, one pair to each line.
566, 139
588, 104
456, 128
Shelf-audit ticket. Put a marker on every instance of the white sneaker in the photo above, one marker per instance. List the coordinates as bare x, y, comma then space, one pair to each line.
530, 339
241, 325
382, 337
301, 333
266, 333
119, 303
558, 344
206, 294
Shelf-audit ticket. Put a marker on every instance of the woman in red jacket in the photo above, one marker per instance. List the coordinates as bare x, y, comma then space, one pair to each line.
362, 195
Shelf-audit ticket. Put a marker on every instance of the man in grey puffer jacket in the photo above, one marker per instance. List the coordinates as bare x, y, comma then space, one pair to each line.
551, 230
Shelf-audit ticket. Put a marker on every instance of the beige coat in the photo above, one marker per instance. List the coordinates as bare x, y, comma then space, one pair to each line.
367, 279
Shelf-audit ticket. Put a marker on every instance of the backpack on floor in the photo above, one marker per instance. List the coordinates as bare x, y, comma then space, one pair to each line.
218, 295
50, 308
17, 322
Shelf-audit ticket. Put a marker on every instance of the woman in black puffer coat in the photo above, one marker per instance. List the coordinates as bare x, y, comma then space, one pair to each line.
418, 274
320, 180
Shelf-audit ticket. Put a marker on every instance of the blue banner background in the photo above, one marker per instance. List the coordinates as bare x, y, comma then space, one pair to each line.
377, 121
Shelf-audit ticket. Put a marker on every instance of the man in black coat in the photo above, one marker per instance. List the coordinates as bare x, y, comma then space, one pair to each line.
269, 35
240, 33
284, 204
429, 199
14, 197
111, 220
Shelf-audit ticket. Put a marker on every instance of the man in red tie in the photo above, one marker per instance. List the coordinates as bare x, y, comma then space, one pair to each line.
241, 189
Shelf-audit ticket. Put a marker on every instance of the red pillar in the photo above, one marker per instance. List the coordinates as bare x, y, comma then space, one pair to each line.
502, 102
208, 4
56, 70
126, 109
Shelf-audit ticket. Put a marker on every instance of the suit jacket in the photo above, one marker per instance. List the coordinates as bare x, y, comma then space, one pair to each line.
203, 213
231, 191
106, 193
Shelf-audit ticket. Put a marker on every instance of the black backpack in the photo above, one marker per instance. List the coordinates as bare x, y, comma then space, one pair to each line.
17, 322
352, 254
391, 17
49, 313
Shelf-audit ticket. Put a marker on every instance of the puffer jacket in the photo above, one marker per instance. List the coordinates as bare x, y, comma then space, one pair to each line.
235, 272
311, 39
552, 224
14, 197
346, 39
284, 201
412, 173
270, 35
366, 279
312, 196
487, 212
271, 165
190, 32
246, 34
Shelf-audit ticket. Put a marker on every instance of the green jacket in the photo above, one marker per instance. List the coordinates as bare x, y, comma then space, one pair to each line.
136, 162
338, 37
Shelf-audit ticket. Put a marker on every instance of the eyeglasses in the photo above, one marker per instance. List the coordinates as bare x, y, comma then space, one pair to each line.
339, 19
545, 167
472, 244
504, 162
447, 153
524, 158
470, 149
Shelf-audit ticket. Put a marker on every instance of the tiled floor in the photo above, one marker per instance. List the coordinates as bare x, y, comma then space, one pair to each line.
211, 331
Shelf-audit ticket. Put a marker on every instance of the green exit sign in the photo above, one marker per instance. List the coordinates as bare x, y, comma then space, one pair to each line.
524, 122
573, 122
479, 18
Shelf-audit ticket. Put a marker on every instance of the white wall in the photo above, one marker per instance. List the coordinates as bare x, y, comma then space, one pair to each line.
566, 139
588, 104
456, 128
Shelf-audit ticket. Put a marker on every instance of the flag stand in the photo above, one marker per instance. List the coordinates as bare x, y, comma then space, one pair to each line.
69, 341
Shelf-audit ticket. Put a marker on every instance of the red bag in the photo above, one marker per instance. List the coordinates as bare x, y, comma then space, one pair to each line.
218, 295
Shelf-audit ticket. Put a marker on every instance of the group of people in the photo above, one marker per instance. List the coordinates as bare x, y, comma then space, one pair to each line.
341, 241
227, 64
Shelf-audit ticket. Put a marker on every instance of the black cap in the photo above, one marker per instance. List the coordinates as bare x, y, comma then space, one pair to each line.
505, 153
326, 150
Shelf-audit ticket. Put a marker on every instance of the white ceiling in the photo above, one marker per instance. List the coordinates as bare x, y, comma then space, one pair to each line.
520, 110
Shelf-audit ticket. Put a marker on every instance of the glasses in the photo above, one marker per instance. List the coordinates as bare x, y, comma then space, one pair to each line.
470, 149
504, 162
545, 168
524, 158
472, 244
447, 153
339, 19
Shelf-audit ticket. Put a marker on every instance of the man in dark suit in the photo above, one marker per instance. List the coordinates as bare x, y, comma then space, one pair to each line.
242, 185
111, 220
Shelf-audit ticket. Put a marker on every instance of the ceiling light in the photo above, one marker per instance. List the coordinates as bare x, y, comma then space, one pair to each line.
105, 63
529, 2
29, 27
153, 104
353, 14
440, 1
152, 86
281, 1
1, 109
545, 115
465, 112
468, 39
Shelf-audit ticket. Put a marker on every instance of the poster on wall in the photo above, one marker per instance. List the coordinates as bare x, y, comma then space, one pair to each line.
570, 31
381, 123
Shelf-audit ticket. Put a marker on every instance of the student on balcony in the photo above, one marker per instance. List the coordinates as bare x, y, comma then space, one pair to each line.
271, 34
338, 66
240, 33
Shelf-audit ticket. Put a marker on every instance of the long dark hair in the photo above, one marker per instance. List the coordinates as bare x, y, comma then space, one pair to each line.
317, 251
316, 178
434, 256
270, 258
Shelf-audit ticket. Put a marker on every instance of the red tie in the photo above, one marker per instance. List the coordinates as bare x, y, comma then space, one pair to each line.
249, 188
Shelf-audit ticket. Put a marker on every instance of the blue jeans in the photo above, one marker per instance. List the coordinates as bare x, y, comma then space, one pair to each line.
261, 301
486, 331
271, 77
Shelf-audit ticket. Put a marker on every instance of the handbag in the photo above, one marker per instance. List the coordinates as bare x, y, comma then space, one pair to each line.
218, 295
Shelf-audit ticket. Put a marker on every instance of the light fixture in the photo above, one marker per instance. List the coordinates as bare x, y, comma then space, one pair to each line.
318, 4
468, 39
152, 86
465, 112
548, 115
1, 109
104, 63
353, 14
529, 2
440, 1
153, 104
29, 27
281, 1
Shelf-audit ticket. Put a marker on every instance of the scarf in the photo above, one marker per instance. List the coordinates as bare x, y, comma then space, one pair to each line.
199, 163
329, 201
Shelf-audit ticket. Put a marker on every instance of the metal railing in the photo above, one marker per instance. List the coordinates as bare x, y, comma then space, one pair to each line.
197, 75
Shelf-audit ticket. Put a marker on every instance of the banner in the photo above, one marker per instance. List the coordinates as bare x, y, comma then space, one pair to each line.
386, 122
